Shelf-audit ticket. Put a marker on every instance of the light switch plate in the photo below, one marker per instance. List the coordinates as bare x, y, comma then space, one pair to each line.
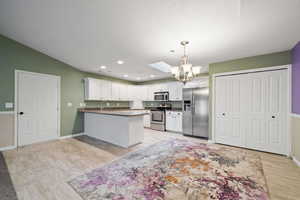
107, 104
9, 105
69, 104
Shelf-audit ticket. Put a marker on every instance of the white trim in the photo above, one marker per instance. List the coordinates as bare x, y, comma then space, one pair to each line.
6, 112
252, 70
295, 115
210, 142
7, 148
296, 161
289, 119
71, 136
288, 67
17, 72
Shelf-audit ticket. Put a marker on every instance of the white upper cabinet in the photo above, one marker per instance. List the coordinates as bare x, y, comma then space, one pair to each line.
92, 89
105, 90
150, 92
124, 92
175, 91
96, 89
143, 89
115, 91
162, 87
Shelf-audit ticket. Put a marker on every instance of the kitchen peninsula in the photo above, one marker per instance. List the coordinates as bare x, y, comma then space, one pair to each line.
120, 127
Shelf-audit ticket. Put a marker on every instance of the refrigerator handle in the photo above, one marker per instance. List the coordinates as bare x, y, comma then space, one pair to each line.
193, 104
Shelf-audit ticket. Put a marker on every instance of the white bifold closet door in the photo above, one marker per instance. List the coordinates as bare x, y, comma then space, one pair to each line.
251, 110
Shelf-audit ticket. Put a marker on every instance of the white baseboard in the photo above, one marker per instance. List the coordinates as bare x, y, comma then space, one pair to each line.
210, 142
7, 148
296, 161
71, 136
295, 115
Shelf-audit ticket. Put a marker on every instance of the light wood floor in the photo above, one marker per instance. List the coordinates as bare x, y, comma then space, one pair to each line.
40, 171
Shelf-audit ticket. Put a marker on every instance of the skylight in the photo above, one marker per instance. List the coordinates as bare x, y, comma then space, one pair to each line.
161, 66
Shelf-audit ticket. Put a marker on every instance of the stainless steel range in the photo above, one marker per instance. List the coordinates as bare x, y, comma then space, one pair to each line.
158, 117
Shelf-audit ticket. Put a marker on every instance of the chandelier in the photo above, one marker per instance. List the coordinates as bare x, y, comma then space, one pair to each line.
185, 71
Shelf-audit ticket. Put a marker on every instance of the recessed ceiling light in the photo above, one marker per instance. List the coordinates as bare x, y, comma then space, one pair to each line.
103, 67
152, 76
125, 75
120, 62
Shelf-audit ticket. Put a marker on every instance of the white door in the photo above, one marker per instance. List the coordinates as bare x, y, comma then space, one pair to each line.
268, 112
251, 110
38, 107
230, 92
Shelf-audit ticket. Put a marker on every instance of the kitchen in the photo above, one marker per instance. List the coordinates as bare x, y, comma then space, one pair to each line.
167, 106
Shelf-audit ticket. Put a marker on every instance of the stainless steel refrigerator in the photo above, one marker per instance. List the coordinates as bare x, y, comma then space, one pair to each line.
195, 112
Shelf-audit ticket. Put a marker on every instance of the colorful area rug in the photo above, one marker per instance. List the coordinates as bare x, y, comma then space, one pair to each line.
177, 169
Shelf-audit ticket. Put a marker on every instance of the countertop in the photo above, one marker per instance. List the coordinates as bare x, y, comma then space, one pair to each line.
119, 112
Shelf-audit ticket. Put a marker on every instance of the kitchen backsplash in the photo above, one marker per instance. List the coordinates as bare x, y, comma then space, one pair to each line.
106, 104
175, 104
125, 104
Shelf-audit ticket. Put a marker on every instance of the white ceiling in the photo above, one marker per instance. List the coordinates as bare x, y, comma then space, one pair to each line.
88, 34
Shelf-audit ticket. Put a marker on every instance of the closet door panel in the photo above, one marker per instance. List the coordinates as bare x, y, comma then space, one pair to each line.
229, 124
268, 114
251, 110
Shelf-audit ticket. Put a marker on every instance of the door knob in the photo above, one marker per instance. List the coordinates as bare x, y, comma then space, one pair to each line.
21, 113
223, 114
273, 117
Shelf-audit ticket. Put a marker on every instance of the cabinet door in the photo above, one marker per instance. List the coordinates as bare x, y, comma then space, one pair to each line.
179, 87
147, 120
150, 92
172, 91
92, 89
178, 121
169, 121
123, 92
115, 91
105, 89
143, 92
175, 91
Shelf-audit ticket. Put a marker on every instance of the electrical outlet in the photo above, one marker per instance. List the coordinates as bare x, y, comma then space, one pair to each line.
69, 104
107, 104
82, 105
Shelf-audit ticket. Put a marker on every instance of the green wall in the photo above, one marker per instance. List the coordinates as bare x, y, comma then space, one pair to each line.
261, 61
14, 56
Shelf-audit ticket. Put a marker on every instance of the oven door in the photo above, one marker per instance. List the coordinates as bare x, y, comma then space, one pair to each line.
157, 117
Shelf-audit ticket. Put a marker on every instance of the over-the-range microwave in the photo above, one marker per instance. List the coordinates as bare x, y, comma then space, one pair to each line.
161, 96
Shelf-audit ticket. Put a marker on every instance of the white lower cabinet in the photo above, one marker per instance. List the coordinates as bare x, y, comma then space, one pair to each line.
147, 120
174, 121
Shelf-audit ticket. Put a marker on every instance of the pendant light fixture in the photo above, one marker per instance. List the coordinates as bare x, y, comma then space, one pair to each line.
185, 71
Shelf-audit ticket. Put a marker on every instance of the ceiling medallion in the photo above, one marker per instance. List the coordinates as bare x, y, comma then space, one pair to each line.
185, 71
